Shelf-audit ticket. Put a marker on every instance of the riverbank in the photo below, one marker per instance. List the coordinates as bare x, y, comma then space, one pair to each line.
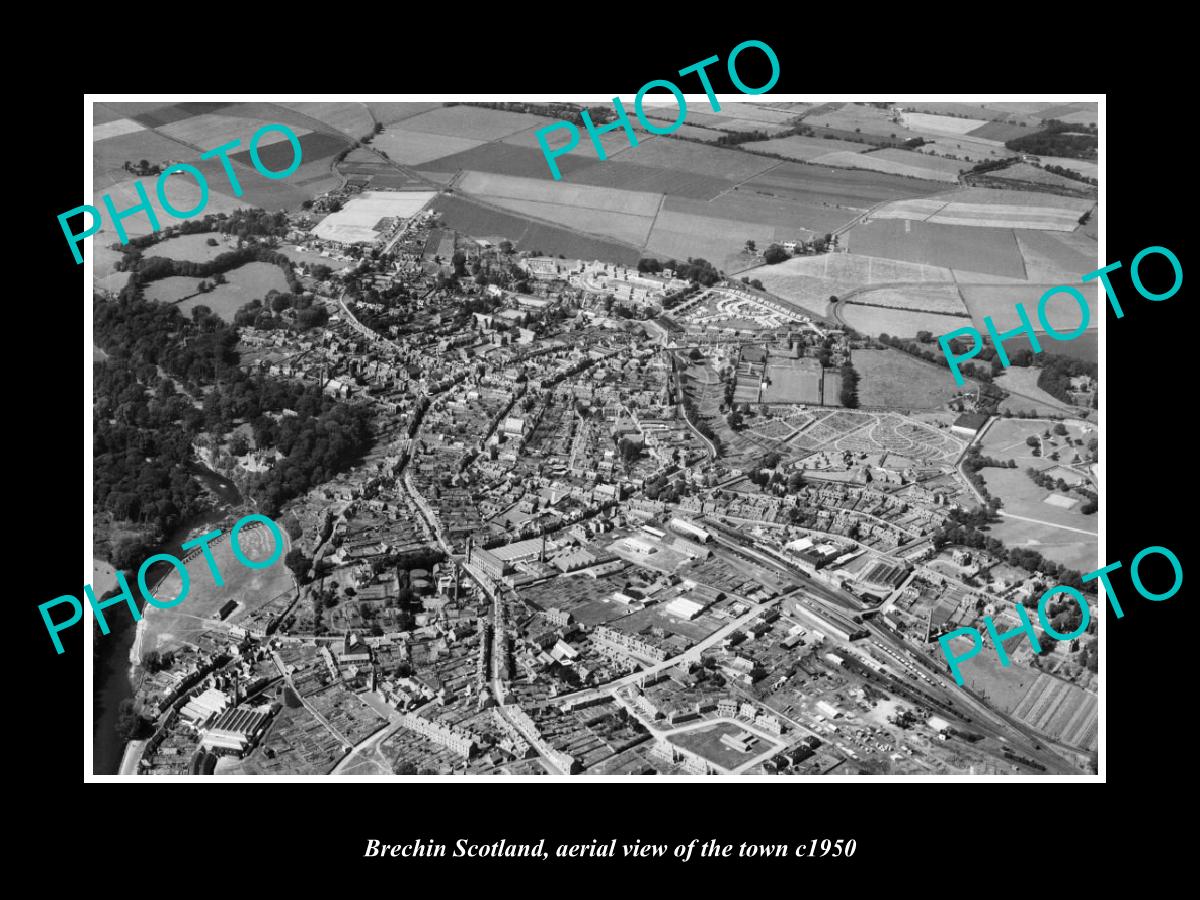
129, 759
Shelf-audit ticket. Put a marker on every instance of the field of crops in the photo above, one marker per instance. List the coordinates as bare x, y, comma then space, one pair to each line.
991, 250
965, 147
1025, 173
1049, 258
1060, 710
620, 226
387, 113
215, 129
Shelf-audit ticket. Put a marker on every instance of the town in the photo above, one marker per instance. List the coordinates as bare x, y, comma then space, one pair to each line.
545, 515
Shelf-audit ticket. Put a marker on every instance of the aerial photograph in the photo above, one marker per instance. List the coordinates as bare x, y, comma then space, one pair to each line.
654, 468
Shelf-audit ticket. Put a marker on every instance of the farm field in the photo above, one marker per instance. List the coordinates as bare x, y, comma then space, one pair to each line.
861, 269
925, 123
788, 218
700, 159
352, 119
114, 128
1075, 113
1049, 258
387, 113
475, 122
504, 158
105, 276
894, 379
576, 196
171, 290
897, 162
1000, 131
110, 154
1025, 173
252, 588
803, 148
476, 220
245, 283
964, 147
613, 142
213, 130
858, 117
836, 188
1088, 168
629, 176
990, 250
1001, 687
356, 221
620, 226
874, 320
416, 147
999, 301
1023, 380
936, 298
192, 247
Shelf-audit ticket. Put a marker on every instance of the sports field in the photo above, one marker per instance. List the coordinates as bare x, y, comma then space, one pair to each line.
793, 381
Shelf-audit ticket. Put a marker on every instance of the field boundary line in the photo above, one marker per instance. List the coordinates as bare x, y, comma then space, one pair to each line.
738, 184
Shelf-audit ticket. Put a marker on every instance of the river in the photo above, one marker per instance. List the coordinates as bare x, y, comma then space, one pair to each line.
110, 653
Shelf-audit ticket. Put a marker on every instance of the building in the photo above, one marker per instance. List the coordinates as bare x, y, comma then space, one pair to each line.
236, 730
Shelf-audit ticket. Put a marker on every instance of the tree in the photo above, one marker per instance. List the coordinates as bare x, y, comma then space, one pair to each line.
1032, 440
297, 562
1059, 428
130, 725
694, 354
750, 246
774, 254
212, 242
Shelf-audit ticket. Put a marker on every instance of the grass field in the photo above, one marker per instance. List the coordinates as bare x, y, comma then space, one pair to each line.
874, 321
1000, 131
792, 381
991, 250
924, 123
1076, 551
619, 226
894, 379
859, 117
706, 742
1024, 380
252, 588
192, 247
243, 284
171, 290
963, 147
1023, 497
